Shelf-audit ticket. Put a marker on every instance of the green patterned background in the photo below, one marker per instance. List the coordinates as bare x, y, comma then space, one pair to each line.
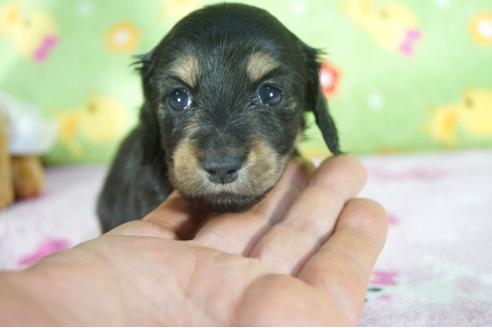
399, 75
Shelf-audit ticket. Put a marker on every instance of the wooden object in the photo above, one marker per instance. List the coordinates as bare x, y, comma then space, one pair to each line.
27, 173
6, 186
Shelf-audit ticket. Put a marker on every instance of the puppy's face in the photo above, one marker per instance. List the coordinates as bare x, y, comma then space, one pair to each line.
226, 89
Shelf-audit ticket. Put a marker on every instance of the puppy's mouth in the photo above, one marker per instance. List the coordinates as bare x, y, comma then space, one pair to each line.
225, 183
225, 202
236, 196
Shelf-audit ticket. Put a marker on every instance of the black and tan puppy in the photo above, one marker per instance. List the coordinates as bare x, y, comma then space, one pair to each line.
225, 92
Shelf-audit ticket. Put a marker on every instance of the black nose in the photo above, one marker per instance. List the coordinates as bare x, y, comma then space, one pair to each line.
222, 169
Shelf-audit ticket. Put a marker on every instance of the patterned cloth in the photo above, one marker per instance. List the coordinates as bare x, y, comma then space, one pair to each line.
436, 268
400, 75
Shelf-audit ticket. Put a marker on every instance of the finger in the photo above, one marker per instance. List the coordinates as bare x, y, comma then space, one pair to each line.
343, 265
171, 220
311, 219
237, 233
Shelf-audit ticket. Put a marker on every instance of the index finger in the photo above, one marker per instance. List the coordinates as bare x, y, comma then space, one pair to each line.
311, 219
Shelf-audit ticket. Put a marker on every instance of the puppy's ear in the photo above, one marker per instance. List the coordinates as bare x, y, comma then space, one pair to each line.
144, 65
149, 134
149, 130
316, 100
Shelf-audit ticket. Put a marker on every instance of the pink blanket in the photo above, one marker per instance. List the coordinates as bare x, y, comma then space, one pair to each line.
436, 268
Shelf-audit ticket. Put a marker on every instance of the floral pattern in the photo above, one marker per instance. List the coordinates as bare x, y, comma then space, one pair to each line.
122, 37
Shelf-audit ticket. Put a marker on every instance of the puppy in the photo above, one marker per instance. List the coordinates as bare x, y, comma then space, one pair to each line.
225, 92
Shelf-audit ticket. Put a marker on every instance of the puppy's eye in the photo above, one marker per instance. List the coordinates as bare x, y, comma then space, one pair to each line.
179, 99
270, 95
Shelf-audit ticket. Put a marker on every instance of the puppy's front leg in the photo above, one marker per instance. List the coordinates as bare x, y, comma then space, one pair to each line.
133, 187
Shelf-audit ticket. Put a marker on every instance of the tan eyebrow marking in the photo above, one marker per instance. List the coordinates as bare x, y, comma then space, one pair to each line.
259, 64
186, 68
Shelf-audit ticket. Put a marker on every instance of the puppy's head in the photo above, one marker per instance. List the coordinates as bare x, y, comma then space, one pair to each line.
225, 93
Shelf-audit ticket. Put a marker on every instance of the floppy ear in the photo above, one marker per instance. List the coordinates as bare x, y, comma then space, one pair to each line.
317, 102
149, 134
148, 128
144, 65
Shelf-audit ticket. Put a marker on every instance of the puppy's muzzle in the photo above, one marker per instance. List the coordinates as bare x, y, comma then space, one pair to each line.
222, 169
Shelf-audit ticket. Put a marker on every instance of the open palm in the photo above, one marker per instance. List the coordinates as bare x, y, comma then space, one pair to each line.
303, 255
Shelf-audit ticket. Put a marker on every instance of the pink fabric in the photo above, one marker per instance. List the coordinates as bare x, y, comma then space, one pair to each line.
46, 248
436, 268
63, 216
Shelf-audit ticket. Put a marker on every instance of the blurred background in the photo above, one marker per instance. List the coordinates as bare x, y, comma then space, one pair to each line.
409, 84
400, 76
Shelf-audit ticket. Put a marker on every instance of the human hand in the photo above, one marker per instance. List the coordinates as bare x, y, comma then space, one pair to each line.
302, 256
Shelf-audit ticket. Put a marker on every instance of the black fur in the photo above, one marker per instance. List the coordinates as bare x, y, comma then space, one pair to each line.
225, 105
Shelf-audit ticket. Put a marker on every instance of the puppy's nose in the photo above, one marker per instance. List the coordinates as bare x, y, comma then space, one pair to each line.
222, 169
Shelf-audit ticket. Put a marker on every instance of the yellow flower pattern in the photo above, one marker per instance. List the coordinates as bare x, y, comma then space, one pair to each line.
399, 75
481, 28
122, 37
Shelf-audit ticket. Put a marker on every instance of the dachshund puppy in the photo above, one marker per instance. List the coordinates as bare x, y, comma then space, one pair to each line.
225, 92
